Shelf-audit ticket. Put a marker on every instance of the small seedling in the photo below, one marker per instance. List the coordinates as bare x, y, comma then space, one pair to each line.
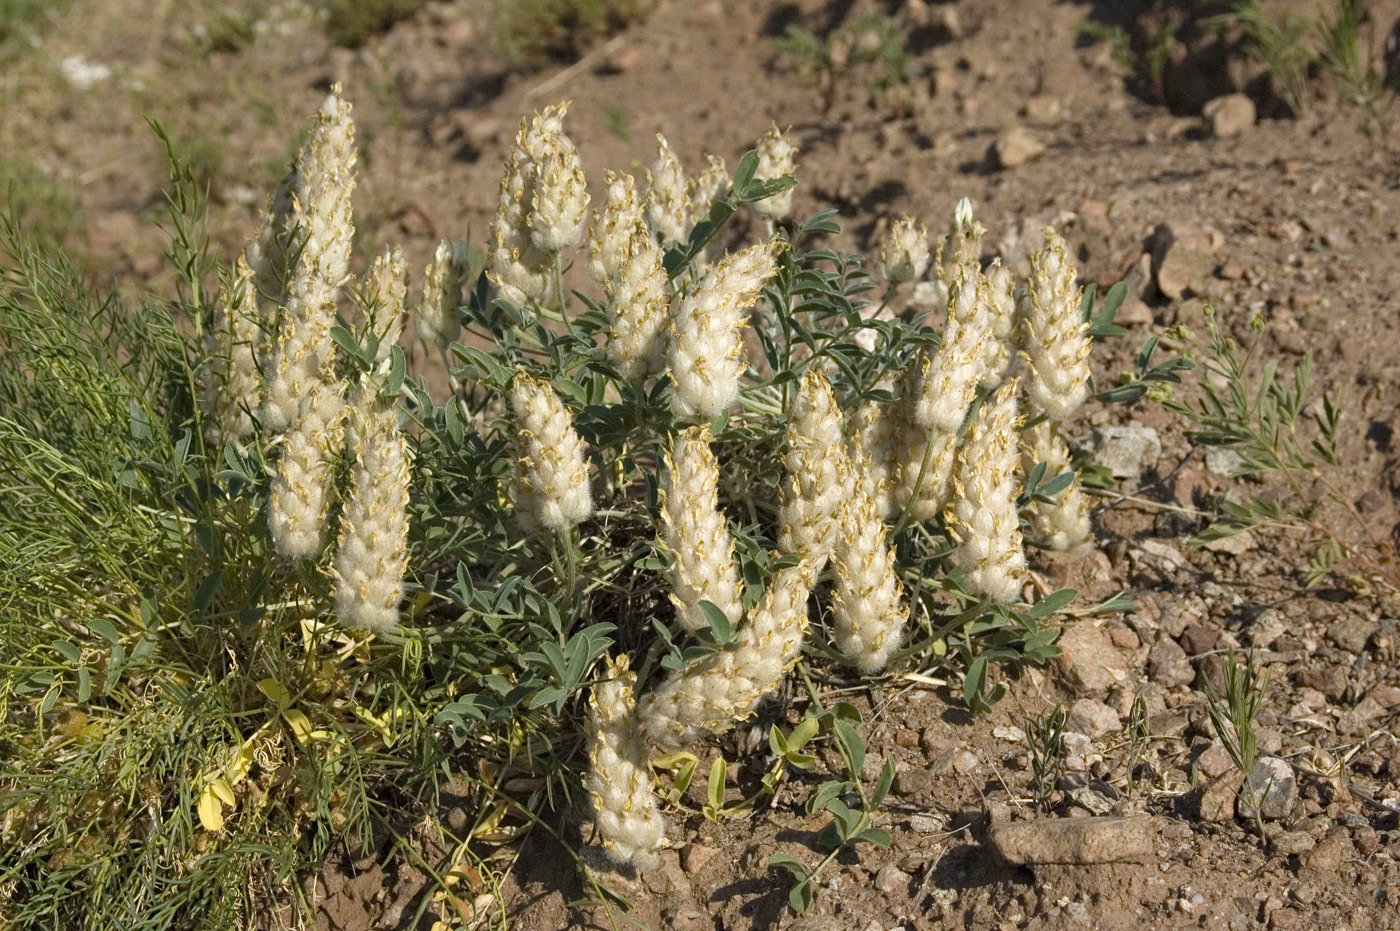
849, 827
1045, 735
1233, 714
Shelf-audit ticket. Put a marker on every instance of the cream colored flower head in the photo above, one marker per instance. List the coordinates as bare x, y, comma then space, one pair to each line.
776, 154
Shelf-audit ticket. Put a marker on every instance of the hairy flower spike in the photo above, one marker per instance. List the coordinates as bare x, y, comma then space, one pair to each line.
871, 433
724, 687
695, 535
668, 201
372, 551
922, 457
618, 780
709, 186
775, 159
540, 210
904, 255
302, 489
999, 320
961, 247
437, 322
385, 289
550, 488
948, 385
984, 515
818, 472
866, 602
325, 179
1054, 336
707, 346
1064, 525
626, 260
232, 386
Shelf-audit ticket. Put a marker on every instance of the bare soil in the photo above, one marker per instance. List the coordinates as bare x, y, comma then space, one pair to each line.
1295, 220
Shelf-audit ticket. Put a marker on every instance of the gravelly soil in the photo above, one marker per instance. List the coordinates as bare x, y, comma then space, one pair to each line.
1295, 220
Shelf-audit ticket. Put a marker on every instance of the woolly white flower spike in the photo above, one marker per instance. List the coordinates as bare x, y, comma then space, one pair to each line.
707, 345
550, 486
923, 458
961, 246
818, 472
626, 260
301, 491
384, 292
232, 386
437, 323
325, 179
540, 210
372, 551
775, 159
706, 188
723, 688
1064, 525
618, 780
667, 200
560, 203
948, 385
695, 535
984, 518
867, 602
999, 312
1054, 336
871, 426
904, 255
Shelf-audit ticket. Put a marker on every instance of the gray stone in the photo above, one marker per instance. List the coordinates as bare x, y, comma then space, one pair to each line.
1089, 660
1126, 451
1357, 720
1236, 544
1293, 842
1222, 461
1016, 146
1230, 115
891, 880
1166, 559
1092, 717
1168, 666
1271, 792
1353, 632
1075, 841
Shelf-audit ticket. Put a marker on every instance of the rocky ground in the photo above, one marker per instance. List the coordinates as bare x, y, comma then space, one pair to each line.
1237, 204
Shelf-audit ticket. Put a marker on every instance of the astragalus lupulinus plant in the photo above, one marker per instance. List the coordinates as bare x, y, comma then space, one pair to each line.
780, 460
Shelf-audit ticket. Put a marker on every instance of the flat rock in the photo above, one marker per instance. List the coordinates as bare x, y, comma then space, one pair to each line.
1229, 115
1184, 258
1168, 666
1075, 841
1352, 633
1016, 146
1092, 717
1089, 660
1126, 451
1236, 544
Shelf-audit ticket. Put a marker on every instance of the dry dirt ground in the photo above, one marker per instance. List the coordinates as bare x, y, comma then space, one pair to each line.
1293, 219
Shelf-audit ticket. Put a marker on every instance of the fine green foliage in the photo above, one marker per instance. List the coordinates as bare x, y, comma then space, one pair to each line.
352, 23
1045, 735
1265, 419
531, 30
45, 209
1280, 45
870, 50
1145, 58
1233, 713
1294, 50
849, 800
